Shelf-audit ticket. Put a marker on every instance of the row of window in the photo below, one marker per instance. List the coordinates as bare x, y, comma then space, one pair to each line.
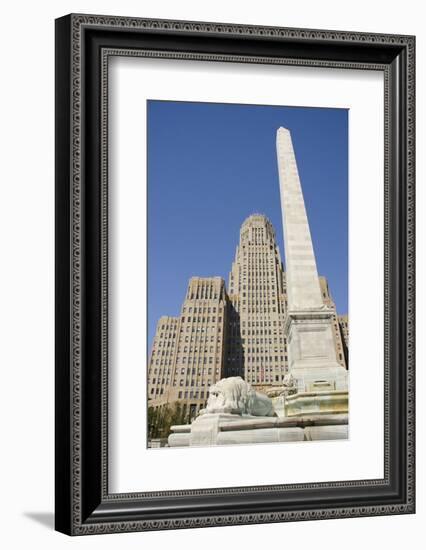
196, 350
162, 352
253, 272
201, 319
253, 370
193, 382
165, 344
200, 360
169, 326
268, 287
261, 332
201, 338
247, 272
235, 325
259, 323
257, 308
232, 342
188, 382
194, 309
258, 360
191, 394
159, 381
265, 379
199, 295
259, 299
202, 329
256, 259
197, 371
167, 335
269, 281
159, 371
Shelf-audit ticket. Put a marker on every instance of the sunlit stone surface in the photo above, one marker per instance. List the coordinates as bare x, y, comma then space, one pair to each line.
233, 428
313, 361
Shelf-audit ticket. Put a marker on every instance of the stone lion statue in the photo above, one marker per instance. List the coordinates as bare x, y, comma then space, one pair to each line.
234, 395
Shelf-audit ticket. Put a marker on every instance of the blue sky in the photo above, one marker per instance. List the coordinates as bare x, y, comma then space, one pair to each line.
211, 165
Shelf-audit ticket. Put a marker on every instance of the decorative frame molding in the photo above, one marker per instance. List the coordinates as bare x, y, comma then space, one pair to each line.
84, 43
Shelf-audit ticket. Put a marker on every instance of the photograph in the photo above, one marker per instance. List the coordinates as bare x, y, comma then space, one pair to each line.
247, 269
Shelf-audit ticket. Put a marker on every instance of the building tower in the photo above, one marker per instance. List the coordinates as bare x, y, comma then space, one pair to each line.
255, 346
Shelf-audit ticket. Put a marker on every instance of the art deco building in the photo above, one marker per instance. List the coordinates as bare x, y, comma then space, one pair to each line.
339, 342
188, 351
239, 333
163, 359
255, 347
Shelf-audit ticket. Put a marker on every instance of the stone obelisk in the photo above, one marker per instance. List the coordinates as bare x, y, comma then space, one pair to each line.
303, 289
309, 329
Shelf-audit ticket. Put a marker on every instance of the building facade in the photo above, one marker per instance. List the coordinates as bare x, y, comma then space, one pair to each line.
188, 351
339, 343
255, 347
236, 333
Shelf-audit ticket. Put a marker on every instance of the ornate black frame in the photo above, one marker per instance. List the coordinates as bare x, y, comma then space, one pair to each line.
83, 45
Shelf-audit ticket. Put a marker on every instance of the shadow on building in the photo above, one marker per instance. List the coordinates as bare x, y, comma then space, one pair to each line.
234, 349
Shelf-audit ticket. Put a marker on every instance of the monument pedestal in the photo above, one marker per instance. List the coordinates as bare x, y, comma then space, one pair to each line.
312, 355
316, 403
234, 429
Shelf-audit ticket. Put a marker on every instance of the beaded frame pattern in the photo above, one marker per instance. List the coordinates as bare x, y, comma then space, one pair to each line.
78, 22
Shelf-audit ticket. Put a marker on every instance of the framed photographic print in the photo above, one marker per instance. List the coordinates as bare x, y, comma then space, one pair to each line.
234, 274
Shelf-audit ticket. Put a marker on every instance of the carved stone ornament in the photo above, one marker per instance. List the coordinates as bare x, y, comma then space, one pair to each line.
235, 396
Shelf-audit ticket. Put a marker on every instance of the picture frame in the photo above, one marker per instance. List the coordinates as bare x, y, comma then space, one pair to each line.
84, 505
